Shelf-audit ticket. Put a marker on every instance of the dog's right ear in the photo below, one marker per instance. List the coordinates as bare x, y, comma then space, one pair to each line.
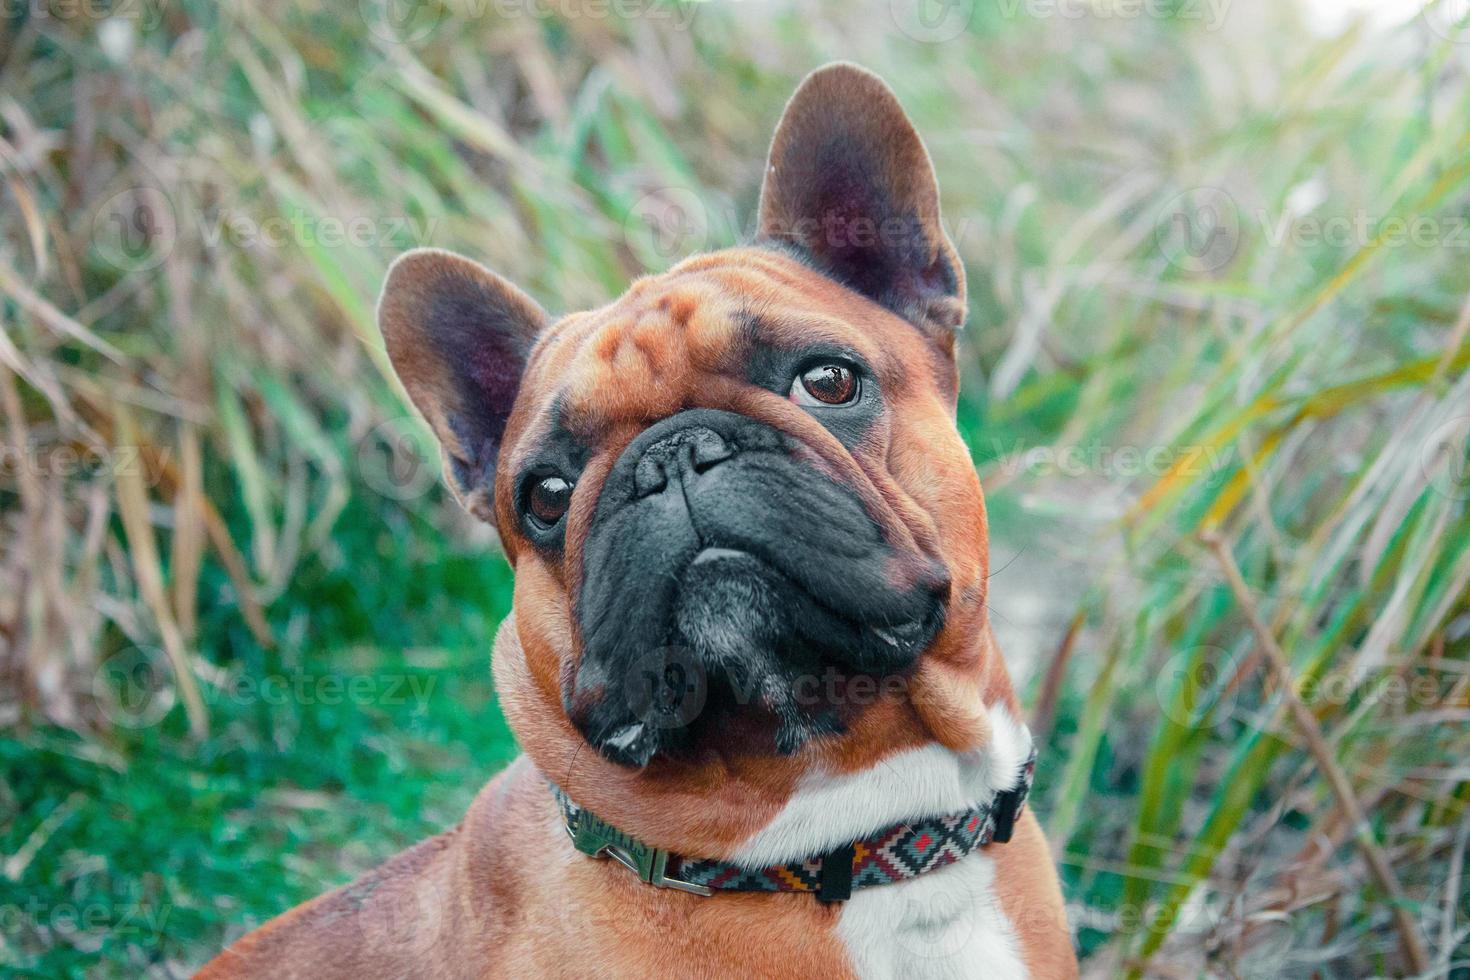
459, 337
849, 183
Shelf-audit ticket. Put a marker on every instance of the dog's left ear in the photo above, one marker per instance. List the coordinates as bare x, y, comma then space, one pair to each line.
459, 337
849, 182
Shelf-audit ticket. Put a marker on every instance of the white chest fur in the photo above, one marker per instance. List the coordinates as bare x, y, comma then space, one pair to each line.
946, 923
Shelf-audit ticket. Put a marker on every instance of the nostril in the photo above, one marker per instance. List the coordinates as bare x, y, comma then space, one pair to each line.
694, 450
708, 449
650, 476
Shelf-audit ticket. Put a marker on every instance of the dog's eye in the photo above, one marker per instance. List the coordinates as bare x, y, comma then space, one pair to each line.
548, 500
825, 384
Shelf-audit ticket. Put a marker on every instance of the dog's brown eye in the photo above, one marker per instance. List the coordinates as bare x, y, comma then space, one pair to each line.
826, 384
549, 500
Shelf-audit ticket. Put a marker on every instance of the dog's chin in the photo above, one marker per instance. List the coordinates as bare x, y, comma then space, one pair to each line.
755, 665
732, 610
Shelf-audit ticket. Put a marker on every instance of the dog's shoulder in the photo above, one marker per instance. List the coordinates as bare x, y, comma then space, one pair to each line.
416, 908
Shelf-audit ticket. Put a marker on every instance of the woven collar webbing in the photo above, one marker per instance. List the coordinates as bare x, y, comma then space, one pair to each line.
899, 852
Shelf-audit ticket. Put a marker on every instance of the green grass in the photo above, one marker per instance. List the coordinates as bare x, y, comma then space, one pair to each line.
374, 727
1304, 397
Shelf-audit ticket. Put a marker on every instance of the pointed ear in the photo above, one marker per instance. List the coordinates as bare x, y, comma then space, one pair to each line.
459, 336
849, 183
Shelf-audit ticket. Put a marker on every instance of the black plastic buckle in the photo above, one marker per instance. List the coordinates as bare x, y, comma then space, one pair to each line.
835, 882
1003, 812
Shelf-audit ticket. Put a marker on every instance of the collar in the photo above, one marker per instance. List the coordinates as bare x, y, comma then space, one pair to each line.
896, 853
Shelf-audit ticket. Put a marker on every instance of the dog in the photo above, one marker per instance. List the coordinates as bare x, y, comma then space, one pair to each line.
767, 730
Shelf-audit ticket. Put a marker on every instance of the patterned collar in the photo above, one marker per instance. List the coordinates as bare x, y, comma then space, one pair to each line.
899, 852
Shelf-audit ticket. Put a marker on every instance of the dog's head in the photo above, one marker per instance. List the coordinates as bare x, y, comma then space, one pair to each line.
741, 518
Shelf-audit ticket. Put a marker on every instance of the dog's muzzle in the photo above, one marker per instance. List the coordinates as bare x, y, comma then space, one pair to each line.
721, 574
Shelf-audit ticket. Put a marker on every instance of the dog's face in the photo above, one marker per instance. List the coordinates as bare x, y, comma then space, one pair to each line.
741, 518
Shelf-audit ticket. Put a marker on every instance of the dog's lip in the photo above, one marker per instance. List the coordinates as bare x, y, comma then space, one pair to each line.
718, 554
895, 634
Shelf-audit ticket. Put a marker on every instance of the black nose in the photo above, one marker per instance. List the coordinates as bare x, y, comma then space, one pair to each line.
679, 455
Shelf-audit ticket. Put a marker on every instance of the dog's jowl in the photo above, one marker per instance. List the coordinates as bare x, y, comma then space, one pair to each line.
767, 731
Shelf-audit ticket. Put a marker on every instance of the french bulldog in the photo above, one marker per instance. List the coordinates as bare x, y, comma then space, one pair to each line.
767, 730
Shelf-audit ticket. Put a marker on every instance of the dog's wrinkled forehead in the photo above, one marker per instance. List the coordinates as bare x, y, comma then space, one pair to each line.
696, 335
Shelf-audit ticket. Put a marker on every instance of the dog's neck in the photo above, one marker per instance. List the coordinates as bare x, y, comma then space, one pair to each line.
829, 809
952, 739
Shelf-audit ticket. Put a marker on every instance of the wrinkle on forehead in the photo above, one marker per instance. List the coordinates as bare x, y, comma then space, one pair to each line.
646, 355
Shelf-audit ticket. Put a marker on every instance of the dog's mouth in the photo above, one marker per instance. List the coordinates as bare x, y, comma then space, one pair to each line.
736, 610
746, 607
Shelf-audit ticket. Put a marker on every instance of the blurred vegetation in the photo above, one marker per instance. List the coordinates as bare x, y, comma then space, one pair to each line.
1194, 311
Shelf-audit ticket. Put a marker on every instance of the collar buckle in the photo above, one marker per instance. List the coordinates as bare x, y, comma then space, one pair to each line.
599, 839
